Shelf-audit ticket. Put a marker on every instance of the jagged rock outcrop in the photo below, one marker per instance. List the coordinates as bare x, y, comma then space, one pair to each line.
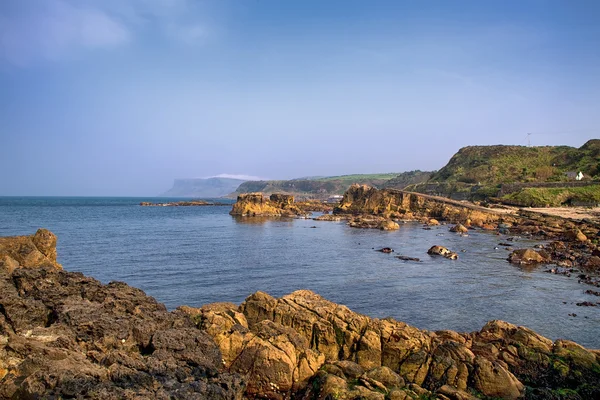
64, 335
313, 348
38, 250
391, 203
255, 205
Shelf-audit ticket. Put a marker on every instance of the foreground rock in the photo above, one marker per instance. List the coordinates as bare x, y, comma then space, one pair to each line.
64, 335
304, 346
256, 205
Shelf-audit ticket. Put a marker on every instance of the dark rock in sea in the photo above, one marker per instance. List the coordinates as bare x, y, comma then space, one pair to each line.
189, 203
586, 304
405, 258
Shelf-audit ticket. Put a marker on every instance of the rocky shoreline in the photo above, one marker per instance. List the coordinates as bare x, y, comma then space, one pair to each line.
573, 246
65, 335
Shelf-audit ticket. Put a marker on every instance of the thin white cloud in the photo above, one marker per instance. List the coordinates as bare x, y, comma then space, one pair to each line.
188, 34
242, 177
53, 29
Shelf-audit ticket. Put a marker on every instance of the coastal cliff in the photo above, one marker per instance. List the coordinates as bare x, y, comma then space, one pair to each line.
65, 335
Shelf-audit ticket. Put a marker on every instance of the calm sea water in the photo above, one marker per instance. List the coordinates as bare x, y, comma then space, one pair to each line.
199, 255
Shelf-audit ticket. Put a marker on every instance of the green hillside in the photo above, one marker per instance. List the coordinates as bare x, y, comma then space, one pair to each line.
487, 165
317, 188
479, 172
408, 178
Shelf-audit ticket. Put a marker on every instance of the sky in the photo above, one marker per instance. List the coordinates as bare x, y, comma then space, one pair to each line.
120, 97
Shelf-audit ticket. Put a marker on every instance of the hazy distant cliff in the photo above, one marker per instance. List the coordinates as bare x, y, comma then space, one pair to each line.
203, 187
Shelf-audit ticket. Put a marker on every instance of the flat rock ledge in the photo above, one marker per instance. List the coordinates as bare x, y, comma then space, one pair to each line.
65, 335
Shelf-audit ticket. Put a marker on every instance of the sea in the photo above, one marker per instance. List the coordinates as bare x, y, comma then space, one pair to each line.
199, 255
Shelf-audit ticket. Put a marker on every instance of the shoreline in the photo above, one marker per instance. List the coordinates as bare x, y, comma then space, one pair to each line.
114, 341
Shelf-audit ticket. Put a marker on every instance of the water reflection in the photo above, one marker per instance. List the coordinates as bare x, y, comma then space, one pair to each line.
262, 220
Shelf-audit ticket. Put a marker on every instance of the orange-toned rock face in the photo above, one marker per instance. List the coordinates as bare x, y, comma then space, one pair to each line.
256, 205
363, 199
279, 343
38, 250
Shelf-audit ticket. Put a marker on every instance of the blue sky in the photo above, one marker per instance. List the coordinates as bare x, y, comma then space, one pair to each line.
119, 97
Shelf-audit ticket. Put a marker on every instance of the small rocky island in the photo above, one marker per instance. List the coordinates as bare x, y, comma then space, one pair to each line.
257, 205
65, 335
186, 203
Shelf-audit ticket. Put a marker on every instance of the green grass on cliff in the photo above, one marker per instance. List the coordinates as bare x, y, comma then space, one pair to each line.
315, 188
359, 177
554, 197
507, 164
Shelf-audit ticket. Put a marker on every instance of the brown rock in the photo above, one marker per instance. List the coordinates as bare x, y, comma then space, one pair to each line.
389, 225
575, 236
494, 380
276, 359
256, 205
592, 263
527, 257
459, 228
442, 251
38, 250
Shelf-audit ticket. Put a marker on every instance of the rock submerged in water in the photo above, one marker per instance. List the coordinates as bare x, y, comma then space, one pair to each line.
528, 257
459, 228
442, 251
389, 225
373, 222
